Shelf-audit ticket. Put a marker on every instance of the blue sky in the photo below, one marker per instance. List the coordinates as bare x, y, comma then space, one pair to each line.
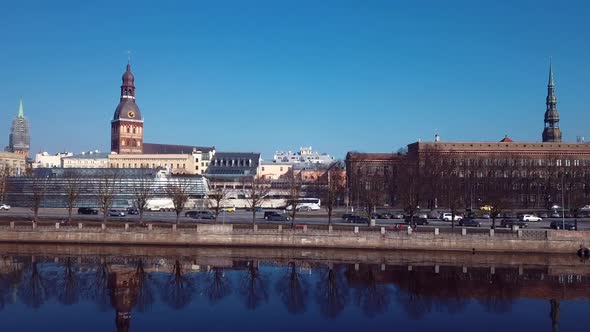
276, 75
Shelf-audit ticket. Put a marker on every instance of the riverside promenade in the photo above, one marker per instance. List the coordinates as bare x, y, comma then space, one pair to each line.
301, 236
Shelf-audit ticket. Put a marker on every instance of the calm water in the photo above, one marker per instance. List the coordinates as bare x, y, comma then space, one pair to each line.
83, 289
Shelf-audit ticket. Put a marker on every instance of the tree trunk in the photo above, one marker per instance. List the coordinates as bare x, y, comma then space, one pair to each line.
253, 215
70, 214
329, 215
493, 222
177, 216
452, 218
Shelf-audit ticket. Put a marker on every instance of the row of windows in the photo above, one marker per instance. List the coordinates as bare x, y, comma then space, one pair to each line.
128, 129
133, 142
147, 165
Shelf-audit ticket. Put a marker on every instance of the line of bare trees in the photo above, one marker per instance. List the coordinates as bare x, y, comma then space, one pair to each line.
463, 182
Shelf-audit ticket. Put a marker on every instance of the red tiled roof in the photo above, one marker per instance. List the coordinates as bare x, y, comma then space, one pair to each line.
506, 139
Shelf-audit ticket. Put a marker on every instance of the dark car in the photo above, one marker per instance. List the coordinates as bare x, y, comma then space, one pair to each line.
418, 220
278, 217
116, 213
132, 210
512, 222
268, 214
359, 219
346, 216
85, 210
200, 214
558, 224
469, 222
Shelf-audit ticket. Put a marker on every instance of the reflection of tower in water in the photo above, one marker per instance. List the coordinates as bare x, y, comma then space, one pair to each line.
123, 286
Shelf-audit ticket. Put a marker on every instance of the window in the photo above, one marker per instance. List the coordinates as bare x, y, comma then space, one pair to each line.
263, 169
281, 169
558, 162
184, 166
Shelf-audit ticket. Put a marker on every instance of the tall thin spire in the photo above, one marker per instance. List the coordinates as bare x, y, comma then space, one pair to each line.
551, 82
21, 110
551, 133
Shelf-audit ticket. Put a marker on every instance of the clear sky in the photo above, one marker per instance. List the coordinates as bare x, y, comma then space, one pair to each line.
339, 75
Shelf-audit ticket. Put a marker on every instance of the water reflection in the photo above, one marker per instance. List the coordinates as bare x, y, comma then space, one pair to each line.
128, 284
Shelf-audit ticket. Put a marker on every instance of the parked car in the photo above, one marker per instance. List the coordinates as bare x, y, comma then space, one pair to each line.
558, 224
555, 215
397, 215
4, 207
485, 216
448, 217
385, 215
86, 210
268, 214
417, 220
278, 217
469, 222
530, 217
555, 207
228, 209
508, 223
543, 215
116, 213
359, 219
201, 214
346, 216
132, 210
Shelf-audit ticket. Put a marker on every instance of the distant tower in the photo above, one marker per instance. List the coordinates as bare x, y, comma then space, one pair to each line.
127, 124
20, 139
551, 133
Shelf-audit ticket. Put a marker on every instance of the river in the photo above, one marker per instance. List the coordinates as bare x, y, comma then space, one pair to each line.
93, 288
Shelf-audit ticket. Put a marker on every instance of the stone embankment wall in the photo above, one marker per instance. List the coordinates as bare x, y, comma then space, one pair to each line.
380, 238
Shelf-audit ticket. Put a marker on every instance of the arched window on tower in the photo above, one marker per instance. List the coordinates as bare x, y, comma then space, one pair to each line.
123, 143
138, 143
134, 130
127, 129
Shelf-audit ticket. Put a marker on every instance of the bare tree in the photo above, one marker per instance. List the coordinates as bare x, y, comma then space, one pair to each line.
178, 189
144, 189
38, 189
257, 190
5, 172
294, 186
217, 197
178, 289
106, 187
332, 187
410, 187
72, 188
217, 285
331, 291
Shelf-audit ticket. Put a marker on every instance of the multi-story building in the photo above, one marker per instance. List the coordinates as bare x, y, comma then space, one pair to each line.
232, 169
304, 155
175, 163
271, 170
202, 155
19, 140
521, 174
46, 160
90, 159
14, 163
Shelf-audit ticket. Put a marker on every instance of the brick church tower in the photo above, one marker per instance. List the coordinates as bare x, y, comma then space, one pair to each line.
127, 123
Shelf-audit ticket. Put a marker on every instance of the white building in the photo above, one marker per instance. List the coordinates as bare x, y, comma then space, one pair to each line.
91, 159
46, 160
305, 155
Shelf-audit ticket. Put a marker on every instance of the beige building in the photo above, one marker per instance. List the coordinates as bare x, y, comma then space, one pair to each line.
176, 163
271, 170
16, 162
46, 160
92, 159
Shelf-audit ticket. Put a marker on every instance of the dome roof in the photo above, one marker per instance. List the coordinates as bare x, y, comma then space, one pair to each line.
128, 110
128, 78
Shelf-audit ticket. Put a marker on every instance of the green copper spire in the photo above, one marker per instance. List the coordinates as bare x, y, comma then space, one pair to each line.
21, 111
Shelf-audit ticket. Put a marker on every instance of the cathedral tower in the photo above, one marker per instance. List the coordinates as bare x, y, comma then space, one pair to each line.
20, 139
127, 123
551, 133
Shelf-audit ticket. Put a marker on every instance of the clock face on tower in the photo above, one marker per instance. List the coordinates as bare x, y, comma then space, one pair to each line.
131, 114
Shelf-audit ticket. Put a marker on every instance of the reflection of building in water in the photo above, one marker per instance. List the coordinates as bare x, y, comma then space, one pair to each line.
123, 286
503, 282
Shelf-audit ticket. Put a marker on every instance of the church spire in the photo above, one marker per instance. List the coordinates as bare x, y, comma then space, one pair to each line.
551, 133
21, 110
